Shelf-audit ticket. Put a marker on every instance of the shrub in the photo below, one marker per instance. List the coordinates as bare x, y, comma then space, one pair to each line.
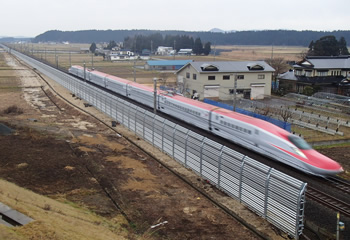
13, 110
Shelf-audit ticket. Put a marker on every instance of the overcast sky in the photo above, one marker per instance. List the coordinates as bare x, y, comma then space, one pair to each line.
32, 17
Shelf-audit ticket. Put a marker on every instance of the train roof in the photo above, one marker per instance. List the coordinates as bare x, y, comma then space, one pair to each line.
115, 78
230, 114
225, 112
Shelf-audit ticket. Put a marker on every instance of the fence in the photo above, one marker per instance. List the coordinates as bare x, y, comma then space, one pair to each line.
273, 195
281, 124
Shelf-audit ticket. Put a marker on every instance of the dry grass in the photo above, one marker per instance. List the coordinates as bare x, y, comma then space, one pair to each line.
124, 69
55, 220
289, 53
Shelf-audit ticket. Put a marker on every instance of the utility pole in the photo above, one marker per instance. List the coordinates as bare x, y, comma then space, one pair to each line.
134, 71
272, 52
151, 49
174, 48
214, 52
70, 59
84, 71
155, 96
234, 93
92, 61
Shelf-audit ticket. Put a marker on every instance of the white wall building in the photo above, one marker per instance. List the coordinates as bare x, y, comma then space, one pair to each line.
164, 51
216, 79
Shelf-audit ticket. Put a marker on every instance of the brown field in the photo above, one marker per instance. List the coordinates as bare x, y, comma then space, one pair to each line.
241, 53
125, 69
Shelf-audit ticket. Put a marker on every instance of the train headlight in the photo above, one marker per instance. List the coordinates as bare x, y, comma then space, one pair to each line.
300, 153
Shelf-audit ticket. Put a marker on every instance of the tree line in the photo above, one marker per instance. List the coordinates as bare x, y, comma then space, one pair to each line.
266, 37
151, 42
328, 46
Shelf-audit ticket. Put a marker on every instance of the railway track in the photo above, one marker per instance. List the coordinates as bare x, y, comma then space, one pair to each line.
109, 193
340, 184
328, 200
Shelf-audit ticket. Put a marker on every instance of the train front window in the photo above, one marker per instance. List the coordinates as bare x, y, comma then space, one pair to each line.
299, 142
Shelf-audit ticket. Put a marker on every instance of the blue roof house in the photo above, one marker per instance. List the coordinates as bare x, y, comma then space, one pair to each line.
166, 64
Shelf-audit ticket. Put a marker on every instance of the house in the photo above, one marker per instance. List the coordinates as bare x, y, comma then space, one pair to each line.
165, 64
323, 73
145, 54
185, 52
120, 55
164, 51
216, 80
287, 81
84, 50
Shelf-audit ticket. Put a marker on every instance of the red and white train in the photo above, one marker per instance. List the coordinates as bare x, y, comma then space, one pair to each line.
252, 133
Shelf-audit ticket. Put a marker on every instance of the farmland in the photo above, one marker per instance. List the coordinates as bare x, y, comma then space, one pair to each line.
65, 54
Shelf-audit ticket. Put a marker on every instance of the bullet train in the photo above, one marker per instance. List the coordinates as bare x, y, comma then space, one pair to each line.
252, 133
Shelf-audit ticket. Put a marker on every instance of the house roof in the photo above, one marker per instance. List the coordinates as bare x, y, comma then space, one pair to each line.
287, 76
168, 62
230, 66
342, 62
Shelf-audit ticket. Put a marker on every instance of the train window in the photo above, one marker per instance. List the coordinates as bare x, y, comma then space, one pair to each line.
299, 142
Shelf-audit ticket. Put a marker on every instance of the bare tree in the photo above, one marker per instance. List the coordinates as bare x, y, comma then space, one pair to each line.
278, 64
301, 56
285, 114
164, 76
266, 111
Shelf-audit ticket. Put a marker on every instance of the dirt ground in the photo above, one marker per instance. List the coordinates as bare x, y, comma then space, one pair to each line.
61, 152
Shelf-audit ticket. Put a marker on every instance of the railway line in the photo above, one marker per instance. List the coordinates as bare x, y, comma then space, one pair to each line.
328, 201
340, 184
312, 193
110, 194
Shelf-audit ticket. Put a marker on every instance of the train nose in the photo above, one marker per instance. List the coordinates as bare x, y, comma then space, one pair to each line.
323, 162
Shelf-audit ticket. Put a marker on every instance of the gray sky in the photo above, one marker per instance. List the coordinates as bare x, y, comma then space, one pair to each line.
32, 17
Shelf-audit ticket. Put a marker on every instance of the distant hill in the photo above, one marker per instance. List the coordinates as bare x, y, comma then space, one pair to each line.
216, 30
265, 37
15, 39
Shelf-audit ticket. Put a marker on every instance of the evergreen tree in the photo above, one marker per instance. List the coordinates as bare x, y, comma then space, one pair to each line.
198, 46
93, 47
343, 49
311, 46
325, 46
111, 45
207, 48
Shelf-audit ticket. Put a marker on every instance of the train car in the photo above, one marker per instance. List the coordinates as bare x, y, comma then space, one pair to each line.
252, 133
258, 135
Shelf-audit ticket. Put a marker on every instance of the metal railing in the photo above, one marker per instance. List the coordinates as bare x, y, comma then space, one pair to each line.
273, 195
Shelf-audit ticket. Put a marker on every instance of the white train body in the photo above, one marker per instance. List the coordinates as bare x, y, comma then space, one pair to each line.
252, 133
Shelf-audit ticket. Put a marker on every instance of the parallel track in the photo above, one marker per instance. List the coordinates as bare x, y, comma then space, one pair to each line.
328, 200
340, 184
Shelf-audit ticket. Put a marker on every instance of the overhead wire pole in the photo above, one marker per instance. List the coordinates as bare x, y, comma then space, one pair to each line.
234, 93
134, 71
84, 71
155, 96
70, 59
